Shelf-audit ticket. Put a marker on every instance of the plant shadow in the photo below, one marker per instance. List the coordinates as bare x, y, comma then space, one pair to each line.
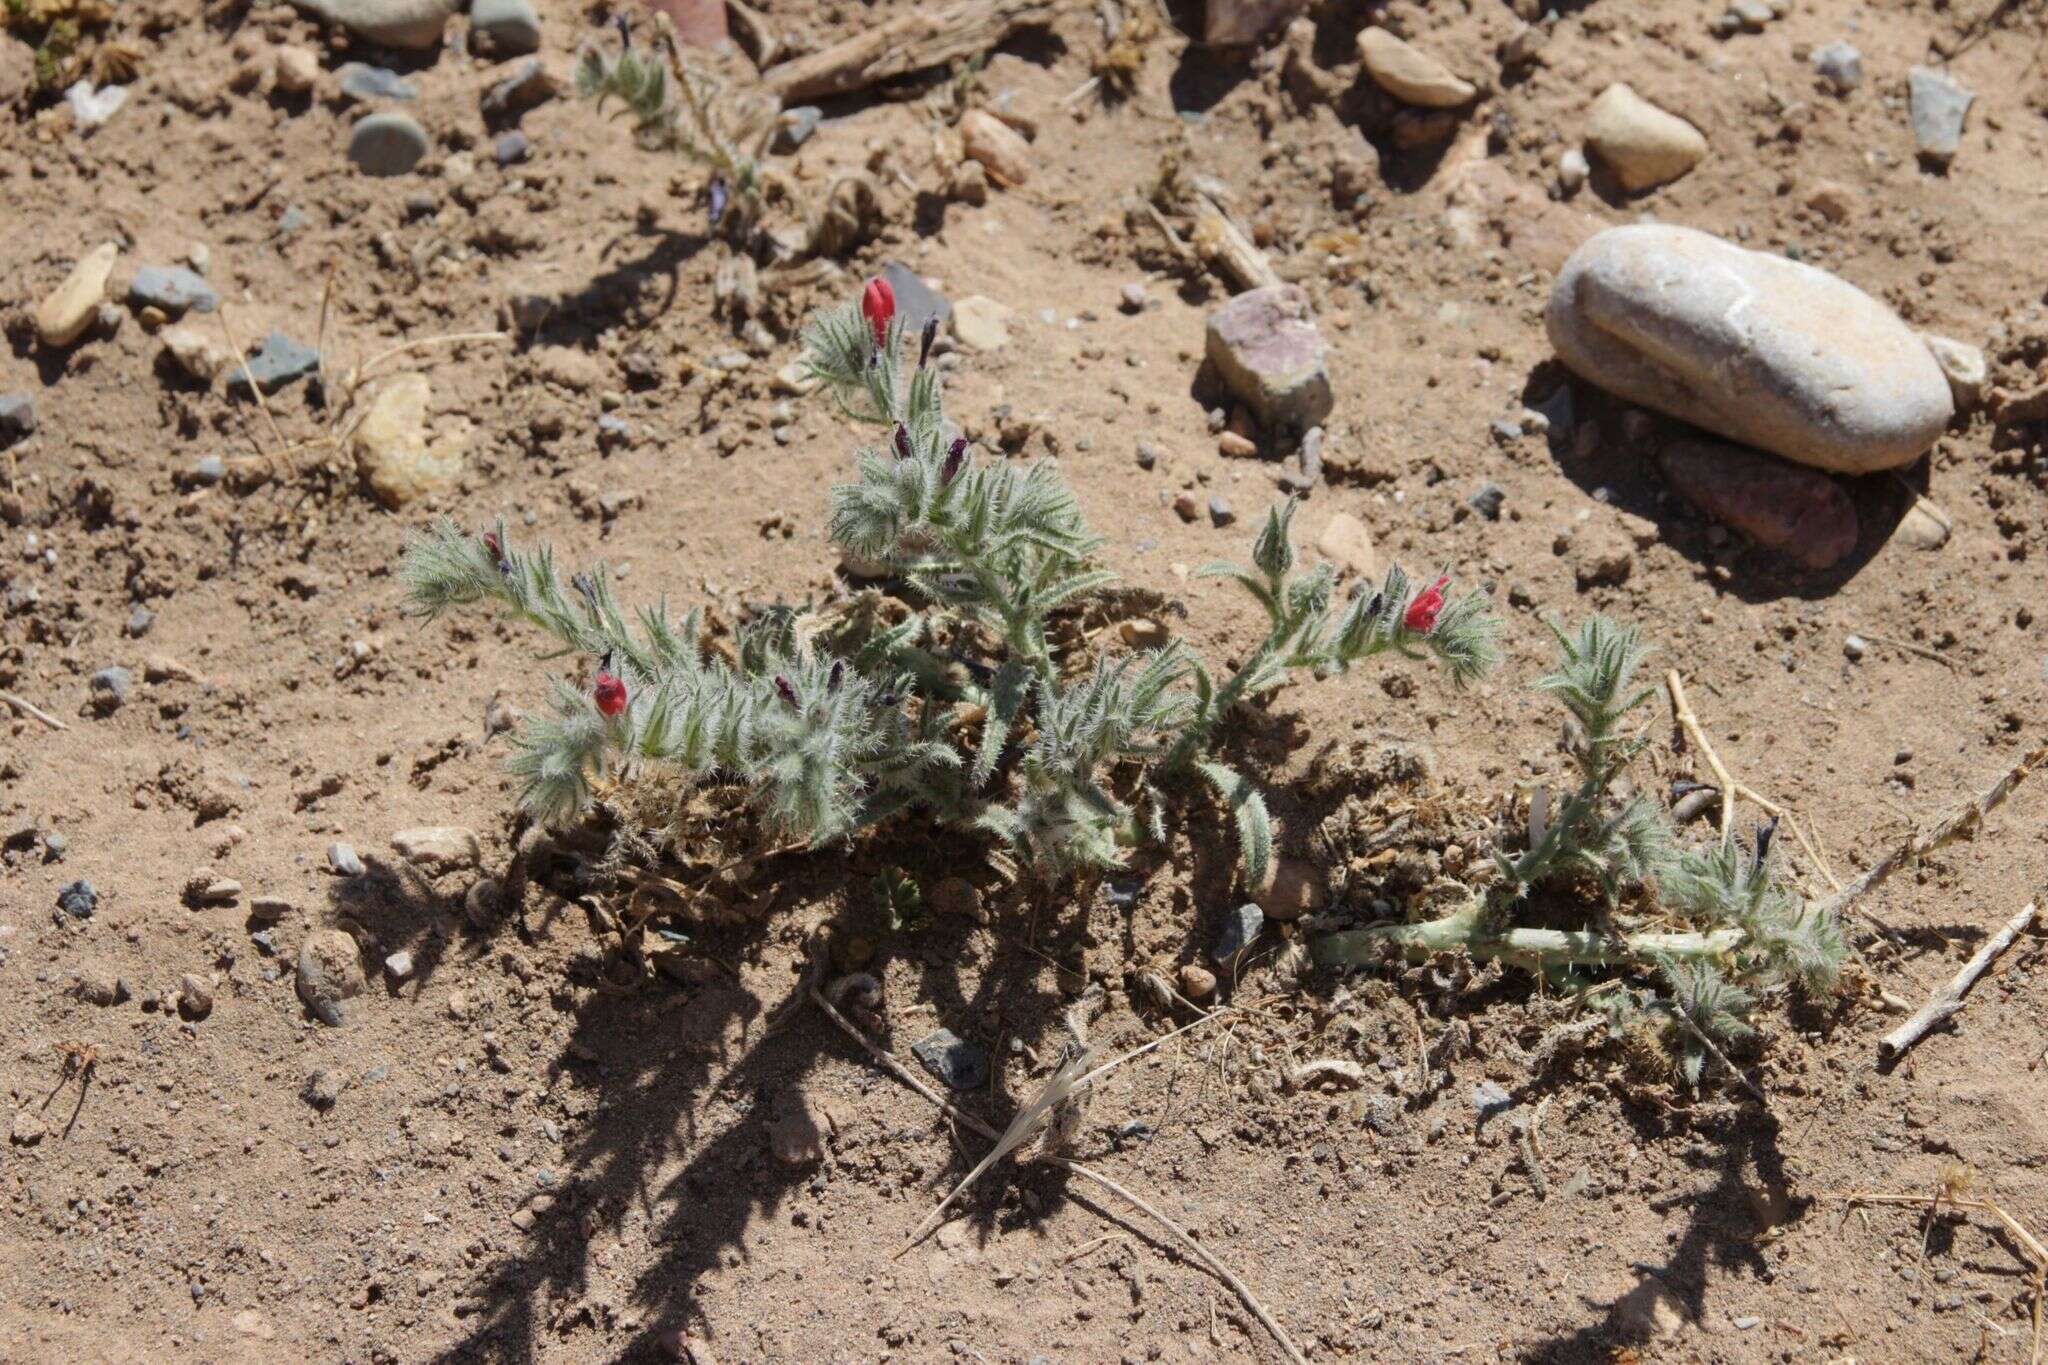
674, 1066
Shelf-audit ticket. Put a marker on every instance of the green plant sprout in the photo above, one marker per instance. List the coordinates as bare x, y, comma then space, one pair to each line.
962, 711
1716, 928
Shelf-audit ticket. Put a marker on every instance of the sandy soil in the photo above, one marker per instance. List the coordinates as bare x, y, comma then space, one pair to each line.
528, 1160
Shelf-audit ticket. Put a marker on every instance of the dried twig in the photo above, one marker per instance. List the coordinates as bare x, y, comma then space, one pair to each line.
1949, 999
915, 40
242, 367
1201, 1253
1682, 712
38, 712
1959, 824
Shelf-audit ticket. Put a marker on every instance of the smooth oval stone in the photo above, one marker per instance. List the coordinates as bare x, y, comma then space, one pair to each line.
1409, 74
1758, 348
387, 144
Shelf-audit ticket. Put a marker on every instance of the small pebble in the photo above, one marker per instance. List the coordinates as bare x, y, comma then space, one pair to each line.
110, 687
1855, 647
1488, 500
511, 148
399, 965
1220, 513
342, 859
195, 997
78, 899
139, 621
209, 470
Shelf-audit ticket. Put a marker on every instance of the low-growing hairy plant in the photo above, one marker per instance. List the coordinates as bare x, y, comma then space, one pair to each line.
962, 709
1695, 938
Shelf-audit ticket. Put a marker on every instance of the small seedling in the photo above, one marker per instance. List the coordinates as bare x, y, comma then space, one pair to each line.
676, 105
1696, 937
961, 710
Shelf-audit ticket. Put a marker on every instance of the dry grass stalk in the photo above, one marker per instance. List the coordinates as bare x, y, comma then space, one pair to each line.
915, 40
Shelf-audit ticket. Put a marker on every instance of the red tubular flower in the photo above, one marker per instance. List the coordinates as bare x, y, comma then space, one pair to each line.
610, 692
1427, 606
878, 305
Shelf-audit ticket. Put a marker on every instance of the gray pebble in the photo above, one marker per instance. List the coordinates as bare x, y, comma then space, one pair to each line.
110, 687
1488, 500
1855, 647
510, 26
796, 126
209, 471
1938, 107
174, 289
276, 363
916, 301
1490, 1098
613, 431
140, 620
1220, 512
1134, 298
1240, 927
78, 899
399, 965
511, 148
961, 1064
54, 847
522, 90
1148, 455
17, 415
321, 1089
387, 144
362, 82
343, 860
1840, 65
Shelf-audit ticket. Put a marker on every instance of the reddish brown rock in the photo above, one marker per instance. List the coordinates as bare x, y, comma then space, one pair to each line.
1801, 513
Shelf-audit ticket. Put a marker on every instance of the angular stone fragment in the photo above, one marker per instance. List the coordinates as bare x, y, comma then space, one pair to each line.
1643, 145
63, 317
438, 847
1265, 347
1801, 513
1763, 350
394, 451
1409, 74
1938, 107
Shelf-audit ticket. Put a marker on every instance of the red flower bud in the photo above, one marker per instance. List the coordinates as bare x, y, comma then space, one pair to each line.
902, 441
497, 549
878, 305
1427, 606
956, 455
785, 690
610, 692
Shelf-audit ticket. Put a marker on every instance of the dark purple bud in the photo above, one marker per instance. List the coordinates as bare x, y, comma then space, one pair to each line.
902, 441
838, 675
1764, 834
587, 586
924, 345
718, 200
787, 692
1372, 608
888, 699
956, 455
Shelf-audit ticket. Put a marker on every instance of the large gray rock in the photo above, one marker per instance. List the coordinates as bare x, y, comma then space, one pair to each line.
1801, 513
415, 24
1758, 348
1265, 346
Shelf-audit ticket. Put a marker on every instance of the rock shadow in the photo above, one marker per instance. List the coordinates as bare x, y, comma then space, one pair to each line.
1608, 447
